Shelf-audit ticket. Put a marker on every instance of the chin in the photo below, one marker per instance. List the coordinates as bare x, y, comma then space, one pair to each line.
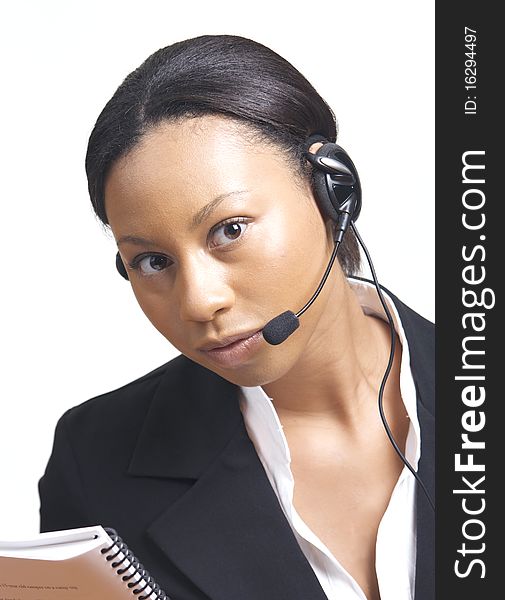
252, 375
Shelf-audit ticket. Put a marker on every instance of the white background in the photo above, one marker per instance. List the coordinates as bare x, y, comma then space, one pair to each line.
70, 326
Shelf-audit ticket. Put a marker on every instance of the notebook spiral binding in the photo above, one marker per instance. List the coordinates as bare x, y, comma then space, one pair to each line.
129, 560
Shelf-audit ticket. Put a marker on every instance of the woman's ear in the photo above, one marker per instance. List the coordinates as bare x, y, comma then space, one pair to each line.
315, 147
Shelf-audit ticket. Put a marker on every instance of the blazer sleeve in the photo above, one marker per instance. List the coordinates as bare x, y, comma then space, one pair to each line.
63, 502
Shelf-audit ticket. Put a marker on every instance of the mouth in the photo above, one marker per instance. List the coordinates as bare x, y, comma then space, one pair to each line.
228, 341
234, 352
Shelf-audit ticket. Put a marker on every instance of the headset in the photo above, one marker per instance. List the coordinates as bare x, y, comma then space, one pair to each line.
337, 190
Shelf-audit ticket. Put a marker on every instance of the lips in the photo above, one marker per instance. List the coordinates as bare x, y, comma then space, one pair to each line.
226, 341
235, 354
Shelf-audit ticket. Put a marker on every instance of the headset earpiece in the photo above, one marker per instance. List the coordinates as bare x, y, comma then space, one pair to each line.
336, 181
120, 266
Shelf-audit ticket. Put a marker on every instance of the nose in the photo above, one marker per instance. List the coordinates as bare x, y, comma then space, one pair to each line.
202, 290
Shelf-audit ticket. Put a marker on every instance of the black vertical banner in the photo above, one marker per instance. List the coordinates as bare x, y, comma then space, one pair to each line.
469, 324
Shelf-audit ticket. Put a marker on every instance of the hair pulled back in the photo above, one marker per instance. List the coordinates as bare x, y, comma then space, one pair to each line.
225, 75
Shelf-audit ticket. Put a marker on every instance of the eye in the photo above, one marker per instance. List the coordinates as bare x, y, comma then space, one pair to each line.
229, 231
222, 235
150, 264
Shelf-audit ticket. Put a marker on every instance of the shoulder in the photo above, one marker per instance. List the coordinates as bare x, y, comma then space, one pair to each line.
93, 443
130, 401
420, 334
420, 331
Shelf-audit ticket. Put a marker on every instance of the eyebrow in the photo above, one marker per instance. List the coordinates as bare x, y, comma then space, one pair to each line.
197, 219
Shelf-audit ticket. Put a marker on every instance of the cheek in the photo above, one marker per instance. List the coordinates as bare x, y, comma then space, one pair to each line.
157, 310
286, 258
297, 265
165, 318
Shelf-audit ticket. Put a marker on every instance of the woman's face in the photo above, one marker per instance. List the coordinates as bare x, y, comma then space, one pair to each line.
218, 237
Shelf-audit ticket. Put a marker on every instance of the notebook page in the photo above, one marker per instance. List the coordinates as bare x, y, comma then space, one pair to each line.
88, 576
56, 545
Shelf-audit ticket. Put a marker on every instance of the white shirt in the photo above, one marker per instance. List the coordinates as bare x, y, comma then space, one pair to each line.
396, 537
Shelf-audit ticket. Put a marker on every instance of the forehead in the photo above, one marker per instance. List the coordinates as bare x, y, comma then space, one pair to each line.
180, 165
174, 147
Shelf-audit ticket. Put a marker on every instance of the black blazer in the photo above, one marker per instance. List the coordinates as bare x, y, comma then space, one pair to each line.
166, 460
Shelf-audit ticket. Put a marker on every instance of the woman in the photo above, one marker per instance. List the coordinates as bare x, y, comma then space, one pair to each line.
248, 469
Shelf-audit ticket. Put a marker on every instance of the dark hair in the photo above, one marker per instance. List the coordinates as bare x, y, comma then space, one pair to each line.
224, 75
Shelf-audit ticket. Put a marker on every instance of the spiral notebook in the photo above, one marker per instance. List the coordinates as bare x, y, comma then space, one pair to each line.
89, 563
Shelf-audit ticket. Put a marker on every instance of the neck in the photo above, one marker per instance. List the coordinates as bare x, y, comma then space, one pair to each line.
338, 376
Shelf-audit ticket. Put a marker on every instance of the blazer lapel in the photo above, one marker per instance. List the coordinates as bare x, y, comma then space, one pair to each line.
228, 532
420, 336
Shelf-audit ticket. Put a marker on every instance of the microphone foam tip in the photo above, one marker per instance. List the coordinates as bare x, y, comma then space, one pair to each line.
280, 327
